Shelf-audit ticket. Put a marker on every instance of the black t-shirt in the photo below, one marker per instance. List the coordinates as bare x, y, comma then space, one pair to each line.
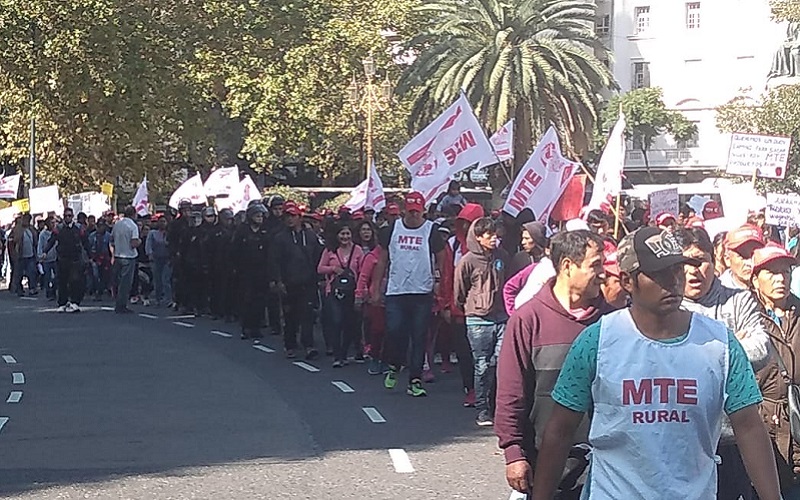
435, 240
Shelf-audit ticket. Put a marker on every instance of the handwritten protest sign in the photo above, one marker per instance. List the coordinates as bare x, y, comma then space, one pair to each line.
783, 209
767, 155
664, 200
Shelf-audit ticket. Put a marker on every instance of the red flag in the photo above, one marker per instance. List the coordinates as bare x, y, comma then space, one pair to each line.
569, 205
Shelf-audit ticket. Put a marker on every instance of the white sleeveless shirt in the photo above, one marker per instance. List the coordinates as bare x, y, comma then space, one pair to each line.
658, 409
410, 260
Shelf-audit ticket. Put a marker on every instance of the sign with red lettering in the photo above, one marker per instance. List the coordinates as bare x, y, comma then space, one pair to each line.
451, 143
661, 391
542, 180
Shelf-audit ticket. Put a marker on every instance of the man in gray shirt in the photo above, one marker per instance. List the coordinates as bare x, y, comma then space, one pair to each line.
124, 242
738, 309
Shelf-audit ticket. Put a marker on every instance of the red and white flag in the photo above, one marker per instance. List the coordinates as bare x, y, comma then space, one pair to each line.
191, 190
503, 142
451, 143
368, 194
9, 186
542, 180
242, 194
141, 200
222, 181
608, 183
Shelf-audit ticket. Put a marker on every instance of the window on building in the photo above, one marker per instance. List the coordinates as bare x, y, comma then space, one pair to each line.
602, 25
692, 142
642, 18
693, 15
640, 75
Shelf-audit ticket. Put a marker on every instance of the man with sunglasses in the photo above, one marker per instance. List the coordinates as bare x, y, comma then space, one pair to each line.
657, 380
71, 259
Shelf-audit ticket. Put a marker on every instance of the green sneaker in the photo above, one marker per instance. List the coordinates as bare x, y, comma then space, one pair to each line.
415, 389
391, 379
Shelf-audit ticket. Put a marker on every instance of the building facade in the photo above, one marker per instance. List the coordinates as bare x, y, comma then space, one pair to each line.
702, 54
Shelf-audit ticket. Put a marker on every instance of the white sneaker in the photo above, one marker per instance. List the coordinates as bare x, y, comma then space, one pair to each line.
61, 309
72, 308
146, 302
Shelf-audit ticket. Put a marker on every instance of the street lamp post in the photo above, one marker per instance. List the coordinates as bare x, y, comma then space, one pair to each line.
369, 98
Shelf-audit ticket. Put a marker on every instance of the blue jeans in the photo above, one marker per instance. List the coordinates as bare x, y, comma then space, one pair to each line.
162, 280
485, 341
27, 267
123, 272
49, 279
407, 319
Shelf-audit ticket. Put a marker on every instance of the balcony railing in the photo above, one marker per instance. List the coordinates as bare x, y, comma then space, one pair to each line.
659, 158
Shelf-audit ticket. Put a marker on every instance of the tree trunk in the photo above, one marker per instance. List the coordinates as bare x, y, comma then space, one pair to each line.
647, 166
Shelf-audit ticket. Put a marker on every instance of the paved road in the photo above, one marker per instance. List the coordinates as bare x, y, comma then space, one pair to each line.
97, 405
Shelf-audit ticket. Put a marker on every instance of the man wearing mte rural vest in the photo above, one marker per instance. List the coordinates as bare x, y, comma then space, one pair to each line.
656, 380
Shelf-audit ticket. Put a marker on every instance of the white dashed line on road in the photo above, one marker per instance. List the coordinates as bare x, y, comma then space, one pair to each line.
264, 348
401, 462
9, 360
221, 334
14, 397
106, 308
17, 378
148, 316
182, 316
374, 415
342, 386
3, 421
28, 298
181, 323
305, 366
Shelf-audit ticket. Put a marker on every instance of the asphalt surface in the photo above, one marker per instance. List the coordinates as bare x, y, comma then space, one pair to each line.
98, 405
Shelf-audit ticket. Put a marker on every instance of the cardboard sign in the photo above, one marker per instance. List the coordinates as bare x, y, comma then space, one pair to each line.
765, 155
783, 209
22, 206
665, 200
45, 199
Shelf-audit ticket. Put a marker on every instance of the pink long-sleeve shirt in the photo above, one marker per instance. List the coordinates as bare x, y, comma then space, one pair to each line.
329, 262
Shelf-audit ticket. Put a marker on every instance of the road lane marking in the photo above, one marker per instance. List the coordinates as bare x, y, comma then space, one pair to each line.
401, 462
374, 415
221, 334
263, 348
3, 421
14, 397
182, 316
28, 298
17, 378
305, 366
342, 386
148, 316
181, 323
106, 308
9, 359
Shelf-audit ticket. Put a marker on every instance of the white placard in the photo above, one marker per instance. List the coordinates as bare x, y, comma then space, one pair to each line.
783, 209
664, 200
766, 154
45, 199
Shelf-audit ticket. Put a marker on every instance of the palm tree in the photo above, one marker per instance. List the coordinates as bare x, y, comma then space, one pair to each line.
538, 61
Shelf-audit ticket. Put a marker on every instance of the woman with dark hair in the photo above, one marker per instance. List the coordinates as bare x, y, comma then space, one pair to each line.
719, 253
340, 264
366, 235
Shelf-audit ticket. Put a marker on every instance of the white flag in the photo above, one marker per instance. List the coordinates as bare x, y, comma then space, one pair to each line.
608, 183
222, 181
368, 194
191, 190
9, 186
141, 200
451, 143
242, 194
503, 142
542, 180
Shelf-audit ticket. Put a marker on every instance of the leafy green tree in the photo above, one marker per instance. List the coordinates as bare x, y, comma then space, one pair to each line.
647, 118
777, 114
538, 61
785, 10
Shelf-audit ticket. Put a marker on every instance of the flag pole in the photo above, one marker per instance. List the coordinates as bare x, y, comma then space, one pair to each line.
616, 217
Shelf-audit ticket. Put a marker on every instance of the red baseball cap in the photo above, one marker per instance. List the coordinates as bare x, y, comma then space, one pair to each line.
415, 201
712, 210
771, 253
291, 208
392, 209
358, 215
742, 235
663, 217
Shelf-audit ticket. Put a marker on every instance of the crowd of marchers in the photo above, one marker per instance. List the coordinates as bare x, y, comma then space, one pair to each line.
540, 322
